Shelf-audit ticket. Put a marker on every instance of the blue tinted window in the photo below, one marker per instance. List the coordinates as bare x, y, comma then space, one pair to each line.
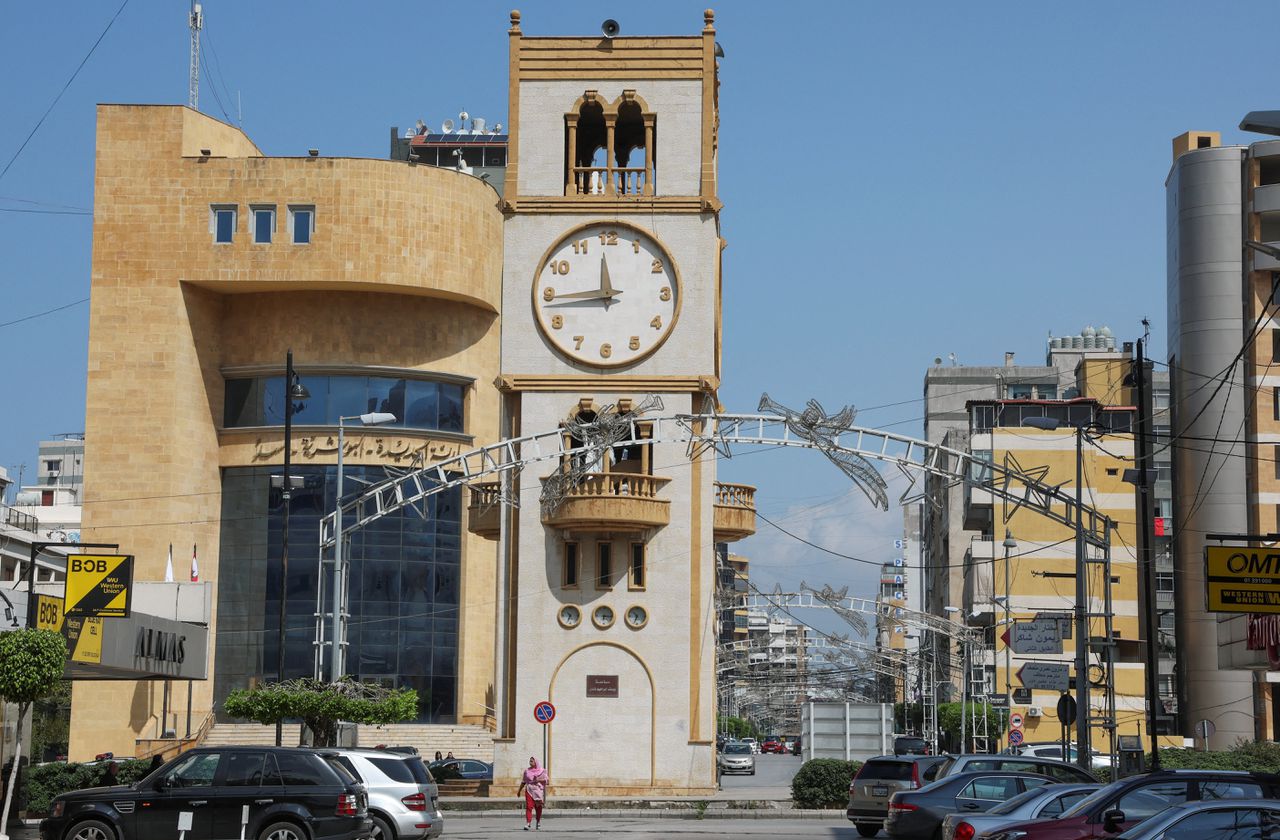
264, 224
224, 225
301, 227
416, 404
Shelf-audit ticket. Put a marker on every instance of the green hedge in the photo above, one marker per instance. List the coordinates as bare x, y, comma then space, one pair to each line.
1261, 757
45, 781
823, 783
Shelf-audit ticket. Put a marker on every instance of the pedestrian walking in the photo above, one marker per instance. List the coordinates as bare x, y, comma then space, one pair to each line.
533, 784
439, 756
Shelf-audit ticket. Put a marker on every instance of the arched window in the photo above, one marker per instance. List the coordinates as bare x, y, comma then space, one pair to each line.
609, 146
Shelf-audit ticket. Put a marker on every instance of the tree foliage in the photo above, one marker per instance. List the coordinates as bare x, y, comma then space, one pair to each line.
736, 727
823, 783
949, 721
31, 664
321, 705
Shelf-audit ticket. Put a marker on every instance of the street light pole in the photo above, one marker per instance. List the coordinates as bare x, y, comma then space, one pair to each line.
336, 634
292, 390
1009, 543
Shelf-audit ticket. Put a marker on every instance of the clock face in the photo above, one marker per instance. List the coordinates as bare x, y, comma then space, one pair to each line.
570, 616
637, 617
603, 617
606, 294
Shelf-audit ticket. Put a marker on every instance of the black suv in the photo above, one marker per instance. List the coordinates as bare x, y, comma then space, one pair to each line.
283, 793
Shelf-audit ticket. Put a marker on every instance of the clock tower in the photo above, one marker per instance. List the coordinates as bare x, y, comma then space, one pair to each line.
611, 296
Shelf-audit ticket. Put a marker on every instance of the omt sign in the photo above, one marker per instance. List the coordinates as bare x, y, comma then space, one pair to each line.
1242, 579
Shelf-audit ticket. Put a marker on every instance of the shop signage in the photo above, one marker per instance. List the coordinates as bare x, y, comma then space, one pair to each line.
98, 585
1242, 579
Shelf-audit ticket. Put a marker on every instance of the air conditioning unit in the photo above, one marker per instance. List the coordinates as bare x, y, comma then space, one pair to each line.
1034, 711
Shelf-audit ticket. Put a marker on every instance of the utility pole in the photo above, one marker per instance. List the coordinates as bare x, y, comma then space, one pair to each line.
1083, 741
1146, 553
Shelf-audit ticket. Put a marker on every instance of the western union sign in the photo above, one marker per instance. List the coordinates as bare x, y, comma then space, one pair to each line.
98, 585
1241, 579
83, 635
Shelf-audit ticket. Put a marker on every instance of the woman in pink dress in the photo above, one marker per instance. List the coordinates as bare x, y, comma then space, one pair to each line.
533, 784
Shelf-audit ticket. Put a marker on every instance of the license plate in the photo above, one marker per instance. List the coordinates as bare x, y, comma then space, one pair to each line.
880, 790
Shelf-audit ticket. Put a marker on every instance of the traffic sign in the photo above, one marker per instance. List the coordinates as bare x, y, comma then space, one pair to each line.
1067, 709
544, 712
1205, 728
98, 585
1049, 676
1015, 720
1041, 635
1015, 737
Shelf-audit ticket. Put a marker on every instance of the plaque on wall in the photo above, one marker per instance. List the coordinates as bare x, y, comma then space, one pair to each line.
602, 685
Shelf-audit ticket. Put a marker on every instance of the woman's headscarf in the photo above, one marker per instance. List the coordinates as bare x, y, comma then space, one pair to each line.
535, 773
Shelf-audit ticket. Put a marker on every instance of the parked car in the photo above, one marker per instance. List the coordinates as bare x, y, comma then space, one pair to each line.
1040, 803
290, 794
1210, 820
467, 768
736, 757
795, 747
909, 745
1122, 805
772, 744
1097, 760
918, 814
877, 780
403, 797
1059, 770
755, 747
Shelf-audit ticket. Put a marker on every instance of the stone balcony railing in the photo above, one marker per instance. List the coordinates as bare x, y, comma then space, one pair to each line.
735, 513
619, 502
484, 509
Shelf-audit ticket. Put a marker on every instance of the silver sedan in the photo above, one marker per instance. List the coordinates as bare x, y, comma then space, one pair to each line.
1042, 803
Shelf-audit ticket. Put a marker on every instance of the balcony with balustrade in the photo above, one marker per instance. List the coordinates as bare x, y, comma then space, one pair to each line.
735, 512
484, 509
618, 502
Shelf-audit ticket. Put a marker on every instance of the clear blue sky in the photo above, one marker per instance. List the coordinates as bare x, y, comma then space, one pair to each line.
902, 180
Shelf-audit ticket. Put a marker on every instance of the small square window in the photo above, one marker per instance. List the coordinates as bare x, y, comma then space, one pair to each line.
264, 224
302, 223
222, 223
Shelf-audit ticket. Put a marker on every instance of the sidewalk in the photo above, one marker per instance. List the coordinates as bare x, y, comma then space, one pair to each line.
736, 804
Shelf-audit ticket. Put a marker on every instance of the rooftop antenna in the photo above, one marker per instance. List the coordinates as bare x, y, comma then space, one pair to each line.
196, 22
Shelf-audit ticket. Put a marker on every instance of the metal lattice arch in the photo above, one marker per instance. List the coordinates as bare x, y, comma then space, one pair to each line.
843, 443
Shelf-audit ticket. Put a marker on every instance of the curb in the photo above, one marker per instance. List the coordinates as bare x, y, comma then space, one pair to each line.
710, 813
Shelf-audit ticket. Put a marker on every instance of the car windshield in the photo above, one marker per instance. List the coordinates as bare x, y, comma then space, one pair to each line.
1100, 795
737, 749
1011, 805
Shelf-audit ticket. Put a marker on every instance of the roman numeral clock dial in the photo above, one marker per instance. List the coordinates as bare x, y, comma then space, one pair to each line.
606, 295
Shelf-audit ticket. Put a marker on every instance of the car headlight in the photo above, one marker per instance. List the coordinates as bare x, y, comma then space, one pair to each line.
57, 808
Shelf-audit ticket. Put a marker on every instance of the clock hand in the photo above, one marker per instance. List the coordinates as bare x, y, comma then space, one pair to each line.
606, 285
590, 294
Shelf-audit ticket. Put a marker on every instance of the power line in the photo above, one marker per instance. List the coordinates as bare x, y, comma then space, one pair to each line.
49, 110
44, 313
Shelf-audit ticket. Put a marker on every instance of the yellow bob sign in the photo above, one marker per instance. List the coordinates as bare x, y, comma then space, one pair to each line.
98, 585
1242, 579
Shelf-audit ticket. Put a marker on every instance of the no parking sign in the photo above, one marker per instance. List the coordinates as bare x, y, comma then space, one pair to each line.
1015, 737
544, 712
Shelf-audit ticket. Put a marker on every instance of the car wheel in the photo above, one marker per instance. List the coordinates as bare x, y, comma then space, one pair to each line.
868, 830
91, 830
382, 829
282, 831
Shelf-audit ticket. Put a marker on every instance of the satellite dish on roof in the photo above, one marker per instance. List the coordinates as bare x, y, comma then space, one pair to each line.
463, 116
447, 126
497, 128
409, 132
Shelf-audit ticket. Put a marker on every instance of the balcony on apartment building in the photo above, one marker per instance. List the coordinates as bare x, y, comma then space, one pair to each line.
735, 512
979, 593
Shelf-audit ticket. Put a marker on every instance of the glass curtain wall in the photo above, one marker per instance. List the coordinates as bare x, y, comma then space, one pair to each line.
404, 582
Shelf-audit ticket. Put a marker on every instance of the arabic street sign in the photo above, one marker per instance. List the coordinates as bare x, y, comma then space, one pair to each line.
1049, 676
1240, 579
1041, 635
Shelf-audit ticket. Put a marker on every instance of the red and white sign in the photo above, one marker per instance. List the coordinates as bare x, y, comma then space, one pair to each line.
1015, 737
1015, 720
544, 712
